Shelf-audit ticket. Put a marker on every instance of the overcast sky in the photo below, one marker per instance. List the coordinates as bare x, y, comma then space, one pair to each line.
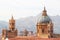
25, 8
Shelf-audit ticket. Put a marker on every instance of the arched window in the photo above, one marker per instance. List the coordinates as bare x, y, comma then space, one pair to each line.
11, 23
42, 30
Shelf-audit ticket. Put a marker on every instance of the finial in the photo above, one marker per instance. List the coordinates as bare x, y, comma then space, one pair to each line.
12, 17
44, 9
44, 12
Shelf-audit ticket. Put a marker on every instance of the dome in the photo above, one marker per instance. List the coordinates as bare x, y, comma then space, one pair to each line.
45, 19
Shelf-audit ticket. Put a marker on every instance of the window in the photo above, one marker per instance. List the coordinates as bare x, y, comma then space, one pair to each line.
42, 30
12, 23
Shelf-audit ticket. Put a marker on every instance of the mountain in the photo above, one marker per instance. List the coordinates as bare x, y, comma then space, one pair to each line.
29, 23
56, 22
3, 25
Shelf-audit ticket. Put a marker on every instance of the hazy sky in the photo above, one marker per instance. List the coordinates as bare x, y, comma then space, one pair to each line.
25, 8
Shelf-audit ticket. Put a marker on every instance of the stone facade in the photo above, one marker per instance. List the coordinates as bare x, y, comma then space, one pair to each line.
45, 26
11, 32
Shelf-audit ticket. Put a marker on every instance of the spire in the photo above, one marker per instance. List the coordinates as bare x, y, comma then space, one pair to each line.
12, 23
44, 9
44, 12
12, 17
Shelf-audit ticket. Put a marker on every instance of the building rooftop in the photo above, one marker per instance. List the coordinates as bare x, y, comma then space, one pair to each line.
32, 38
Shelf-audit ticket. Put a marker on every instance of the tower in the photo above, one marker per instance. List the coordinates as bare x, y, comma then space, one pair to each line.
45, 26
12, 24
11, 32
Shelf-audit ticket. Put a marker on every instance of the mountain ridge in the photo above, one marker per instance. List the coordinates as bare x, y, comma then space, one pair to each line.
29, 23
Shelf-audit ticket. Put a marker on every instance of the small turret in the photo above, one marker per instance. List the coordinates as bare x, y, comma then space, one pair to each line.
44, 12
12, 24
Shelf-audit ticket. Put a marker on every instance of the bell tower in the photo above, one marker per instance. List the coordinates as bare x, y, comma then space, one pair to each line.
11, 32
45, 26
12, 23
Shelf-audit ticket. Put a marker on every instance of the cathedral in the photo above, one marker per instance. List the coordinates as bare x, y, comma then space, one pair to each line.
44, 28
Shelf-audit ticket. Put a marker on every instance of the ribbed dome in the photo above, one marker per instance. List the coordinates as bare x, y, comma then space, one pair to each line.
45, 19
